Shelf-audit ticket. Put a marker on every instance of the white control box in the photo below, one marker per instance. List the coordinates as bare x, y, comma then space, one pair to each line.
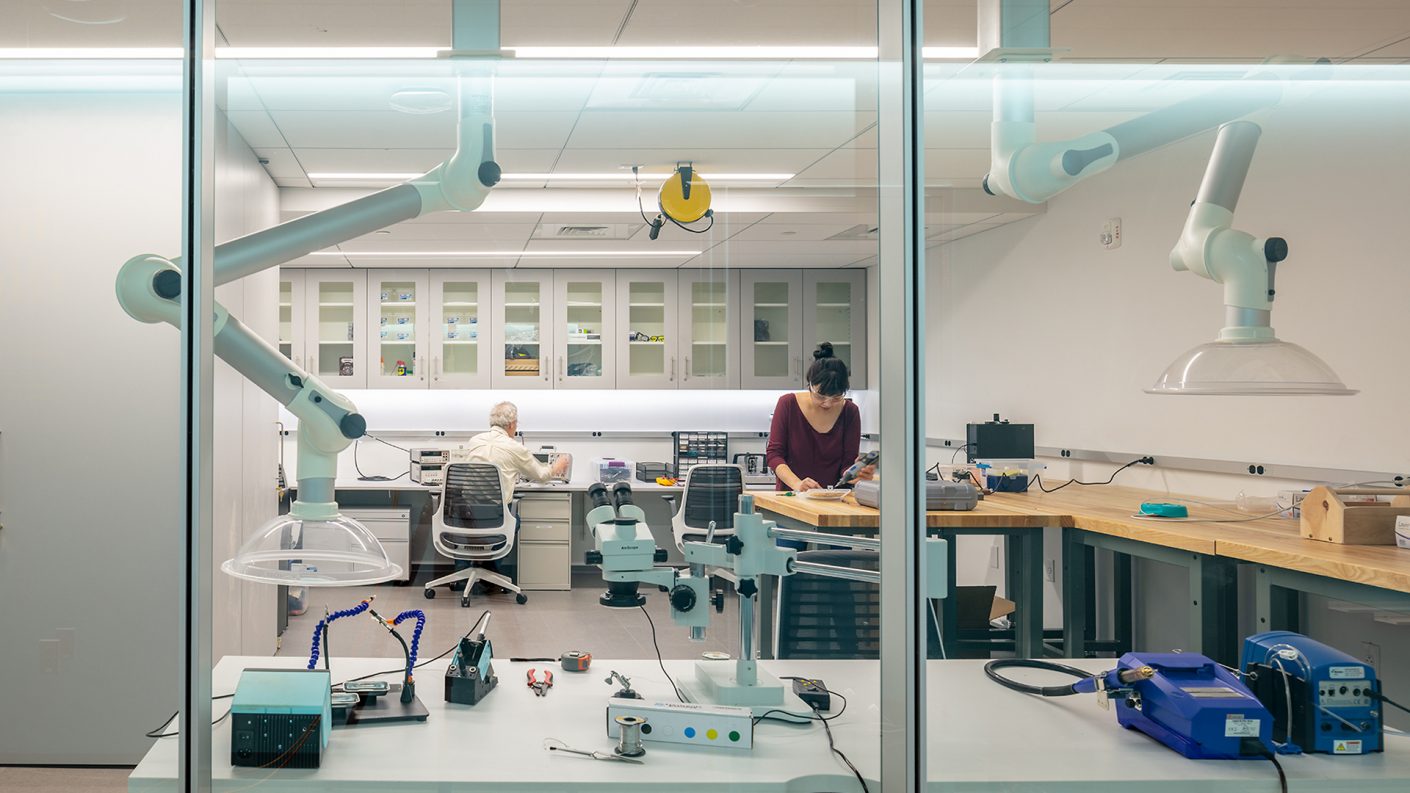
686, 723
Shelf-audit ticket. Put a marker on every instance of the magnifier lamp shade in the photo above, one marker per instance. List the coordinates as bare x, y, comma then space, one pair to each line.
341, 551
1249, 368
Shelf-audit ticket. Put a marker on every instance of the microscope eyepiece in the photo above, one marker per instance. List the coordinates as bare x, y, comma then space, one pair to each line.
597, 493
622, 494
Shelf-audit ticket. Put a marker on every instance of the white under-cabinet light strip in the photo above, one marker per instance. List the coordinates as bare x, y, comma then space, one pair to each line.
617, 176
425, 53
504, 254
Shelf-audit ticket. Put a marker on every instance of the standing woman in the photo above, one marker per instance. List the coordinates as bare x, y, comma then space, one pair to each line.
816, 433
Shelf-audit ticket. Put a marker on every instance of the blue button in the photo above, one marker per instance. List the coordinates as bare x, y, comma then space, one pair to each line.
690, 732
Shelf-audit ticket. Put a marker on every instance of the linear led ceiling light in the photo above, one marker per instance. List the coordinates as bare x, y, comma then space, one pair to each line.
644, 253
761, 53
608, 176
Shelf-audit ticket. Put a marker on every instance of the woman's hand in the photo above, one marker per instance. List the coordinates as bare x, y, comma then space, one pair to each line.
806, 484
867, 472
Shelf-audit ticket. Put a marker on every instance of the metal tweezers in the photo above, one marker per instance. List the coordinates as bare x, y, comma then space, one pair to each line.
555, 745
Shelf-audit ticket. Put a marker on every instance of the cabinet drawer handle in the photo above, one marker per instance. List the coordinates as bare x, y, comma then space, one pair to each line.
543, 367
421, 368
672, 378
436, 367
685, 373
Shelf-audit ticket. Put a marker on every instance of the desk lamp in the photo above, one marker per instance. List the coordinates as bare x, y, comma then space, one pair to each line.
1247, 358
314, 533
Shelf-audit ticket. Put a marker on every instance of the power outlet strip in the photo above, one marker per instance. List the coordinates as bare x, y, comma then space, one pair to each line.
686, 723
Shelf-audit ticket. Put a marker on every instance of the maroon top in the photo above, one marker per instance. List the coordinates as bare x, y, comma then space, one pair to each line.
823, 456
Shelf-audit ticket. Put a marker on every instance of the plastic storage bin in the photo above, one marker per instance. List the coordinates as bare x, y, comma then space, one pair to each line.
611, 469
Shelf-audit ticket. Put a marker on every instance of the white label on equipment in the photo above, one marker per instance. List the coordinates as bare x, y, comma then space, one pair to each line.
1346, 747
1236, 726
1346, 672
1211, 692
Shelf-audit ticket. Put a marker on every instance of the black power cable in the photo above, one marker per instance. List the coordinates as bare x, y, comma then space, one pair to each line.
652, 622
992, 670
1376, 695
378, 478
1038, 478
794, 718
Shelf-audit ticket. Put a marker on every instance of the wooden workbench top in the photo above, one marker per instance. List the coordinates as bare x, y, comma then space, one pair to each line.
850, 515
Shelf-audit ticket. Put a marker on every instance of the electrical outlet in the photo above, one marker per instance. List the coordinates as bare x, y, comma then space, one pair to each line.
1050, 570
1111, 234
994, 557
1371, 654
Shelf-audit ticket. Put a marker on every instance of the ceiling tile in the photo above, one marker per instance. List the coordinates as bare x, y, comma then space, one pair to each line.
281, 163
257, 129
717, 130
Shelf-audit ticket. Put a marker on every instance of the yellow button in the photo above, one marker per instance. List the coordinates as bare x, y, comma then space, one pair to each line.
711, 734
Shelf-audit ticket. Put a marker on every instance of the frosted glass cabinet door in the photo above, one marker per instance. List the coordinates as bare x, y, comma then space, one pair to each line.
460, 356
647, 336
836, 311
586, 320
773, 343
709, 328
524, 331
335, 343
397, 317
291, 316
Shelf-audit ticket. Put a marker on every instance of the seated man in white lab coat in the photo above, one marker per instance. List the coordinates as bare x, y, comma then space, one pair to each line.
500, 448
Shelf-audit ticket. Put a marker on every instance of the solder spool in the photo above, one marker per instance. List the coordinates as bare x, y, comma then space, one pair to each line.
629, 738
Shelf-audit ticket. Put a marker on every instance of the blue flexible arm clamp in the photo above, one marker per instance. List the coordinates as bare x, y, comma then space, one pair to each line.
321, 627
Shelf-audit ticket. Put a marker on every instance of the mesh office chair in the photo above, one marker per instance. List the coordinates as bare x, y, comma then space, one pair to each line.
711, 494
823, 617
473, 524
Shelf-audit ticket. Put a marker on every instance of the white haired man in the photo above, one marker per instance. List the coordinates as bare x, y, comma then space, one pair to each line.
500, 448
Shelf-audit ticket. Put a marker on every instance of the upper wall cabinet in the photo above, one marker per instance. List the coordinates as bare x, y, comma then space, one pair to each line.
771, 354
834, 306
398, 312
335, 338
460, 356
291, 316
523, 331
647, 345
586, 313
708, 326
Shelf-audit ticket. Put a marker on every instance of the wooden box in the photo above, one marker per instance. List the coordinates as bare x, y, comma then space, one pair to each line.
1327, 515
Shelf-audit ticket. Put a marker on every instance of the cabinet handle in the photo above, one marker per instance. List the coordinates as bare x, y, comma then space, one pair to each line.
543, 367
436, 367
685, 373
421, 368
672, 378
560, 368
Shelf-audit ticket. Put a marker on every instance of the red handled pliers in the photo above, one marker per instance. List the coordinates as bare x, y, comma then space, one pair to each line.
540, 687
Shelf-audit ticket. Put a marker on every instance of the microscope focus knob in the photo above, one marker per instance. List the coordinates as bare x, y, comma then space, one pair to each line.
594, 557
734, 546
683, 598
717, 599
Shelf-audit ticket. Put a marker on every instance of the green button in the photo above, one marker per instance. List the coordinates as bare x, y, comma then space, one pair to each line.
734, 736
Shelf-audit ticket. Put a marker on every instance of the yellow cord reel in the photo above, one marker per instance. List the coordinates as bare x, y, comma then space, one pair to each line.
684, 198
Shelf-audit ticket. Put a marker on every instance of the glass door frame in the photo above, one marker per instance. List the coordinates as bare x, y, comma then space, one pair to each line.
607, 279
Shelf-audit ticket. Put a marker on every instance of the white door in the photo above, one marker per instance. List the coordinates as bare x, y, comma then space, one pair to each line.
523, 330
709, 328
647, 343
835, 305
398, 318
335, 343
772, 344
460, 357
585, 317
291, 316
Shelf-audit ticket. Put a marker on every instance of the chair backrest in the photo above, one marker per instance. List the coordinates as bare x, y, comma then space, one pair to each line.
472, 522
711, 494
824, 617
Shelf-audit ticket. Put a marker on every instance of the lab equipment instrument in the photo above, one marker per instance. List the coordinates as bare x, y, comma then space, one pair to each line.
686, 723
430, 456
627, 554
939, 495
575, 660
1160, 509
280, 718
1322, 699
756, 468
629, 729
428, 473
1183, 700
998, 439
470, 676
863, 460
150, 287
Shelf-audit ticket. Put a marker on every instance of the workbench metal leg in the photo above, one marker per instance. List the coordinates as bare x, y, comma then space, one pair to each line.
1276, 607
1076, 592
1213, 601
1122, 606
1024, 552
949, 609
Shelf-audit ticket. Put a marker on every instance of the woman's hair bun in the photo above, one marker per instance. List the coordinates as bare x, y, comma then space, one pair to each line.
824, 350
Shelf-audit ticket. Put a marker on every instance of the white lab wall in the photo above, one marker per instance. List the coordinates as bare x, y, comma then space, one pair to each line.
89, 429
1037, 321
